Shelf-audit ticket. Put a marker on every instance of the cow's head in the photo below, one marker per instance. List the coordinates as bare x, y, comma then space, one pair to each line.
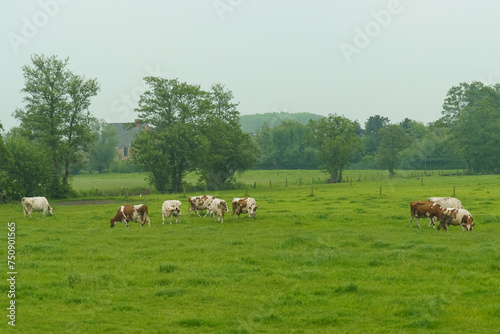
112, 223
252, 210
223, 206
467, 223
51, 210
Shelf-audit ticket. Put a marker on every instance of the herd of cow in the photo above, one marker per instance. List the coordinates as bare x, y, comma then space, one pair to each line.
216, 207
448, 210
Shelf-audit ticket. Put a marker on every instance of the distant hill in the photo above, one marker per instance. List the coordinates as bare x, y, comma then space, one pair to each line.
252, 123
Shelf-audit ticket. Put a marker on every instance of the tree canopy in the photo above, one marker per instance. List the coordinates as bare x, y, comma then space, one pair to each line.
56, 114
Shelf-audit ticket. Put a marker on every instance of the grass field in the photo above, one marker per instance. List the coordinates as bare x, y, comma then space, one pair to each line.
342, 261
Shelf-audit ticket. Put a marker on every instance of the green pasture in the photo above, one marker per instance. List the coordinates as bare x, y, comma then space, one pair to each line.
341, 261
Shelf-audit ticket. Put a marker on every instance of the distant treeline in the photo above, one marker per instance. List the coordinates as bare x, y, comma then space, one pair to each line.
467, 137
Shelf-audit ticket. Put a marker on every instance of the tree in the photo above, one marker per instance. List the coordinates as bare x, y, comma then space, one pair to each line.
393, 141
174, 111
190, 130
56, 114
6, 164
286, 146
337, 142
371, 139
104, 150
227, 150
471, 114
31, 168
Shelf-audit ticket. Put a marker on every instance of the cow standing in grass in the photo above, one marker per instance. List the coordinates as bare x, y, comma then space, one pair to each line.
244, 205
218, 208
425, 209
126, 213
456, 217
446, 202
170, 208
200, 203
31, 204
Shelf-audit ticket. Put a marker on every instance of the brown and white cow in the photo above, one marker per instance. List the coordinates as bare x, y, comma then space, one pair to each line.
126, 213
31, 204
446, 202
244, 205
425, 209
456, 217
170, 208
218, 208
200, 203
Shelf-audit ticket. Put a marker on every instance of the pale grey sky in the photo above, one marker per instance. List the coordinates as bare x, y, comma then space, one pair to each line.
395, 58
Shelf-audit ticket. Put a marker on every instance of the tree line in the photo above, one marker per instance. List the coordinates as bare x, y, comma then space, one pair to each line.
196, 130
466, 137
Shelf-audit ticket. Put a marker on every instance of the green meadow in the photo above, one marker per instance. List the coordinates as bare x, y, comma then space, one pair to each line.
340, 260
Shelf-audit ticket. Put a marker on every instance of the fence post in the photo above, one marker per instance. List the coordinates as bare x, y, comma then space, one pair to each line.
269, 183
255, 184
184, 191
453, 191
380, 190
312, 190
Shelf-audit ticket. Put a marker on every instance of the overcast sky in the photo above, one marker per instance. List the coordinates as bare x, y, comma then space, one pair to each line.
358, 58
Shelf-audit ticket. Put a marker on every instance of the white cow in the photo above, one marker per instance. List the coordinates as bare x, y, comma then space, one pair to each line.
200, 203
244, 205
170, 208
218, 208
447, 202
31, 204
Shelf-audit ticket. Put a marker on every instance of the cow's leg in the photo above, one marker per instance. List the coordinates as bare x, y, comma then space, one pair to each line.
171, 214
208, 211
418, 222
163, 217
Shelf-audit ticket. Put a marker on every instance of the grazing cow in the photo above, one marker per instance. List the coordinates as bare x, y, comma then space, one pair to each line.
31, 204
447, 202
456, 217
425, 209
244, 205
126, 213
218, 208
169, 208
200, 203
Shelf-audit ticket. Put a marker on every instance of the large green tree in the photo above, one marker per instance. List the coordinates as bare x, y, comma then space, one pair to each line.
56, 114
471, 114
337, 143
190, 130
173, 111
31, 168
371, 138
227, 150
393, 141
6, 164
